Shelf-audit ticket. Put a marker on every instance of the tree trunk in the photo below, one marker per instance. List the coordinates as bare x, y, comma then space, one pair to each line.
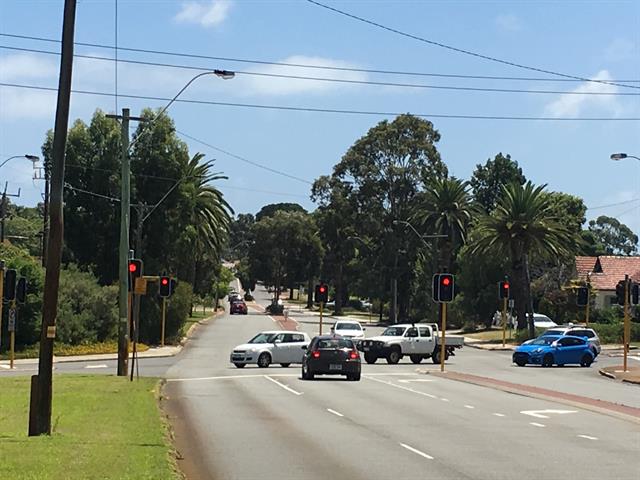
310, 293
529, 298
290, 293
519, 282
339, 293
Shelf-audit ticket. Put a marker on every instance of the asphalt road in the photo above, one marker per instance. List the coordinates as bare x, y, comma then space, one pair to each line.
395, 423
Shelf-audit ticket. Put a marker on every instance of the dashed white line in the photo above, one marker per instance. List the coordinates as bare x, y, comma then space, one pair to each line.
535, 424
416, 380
401, 387
416, 451
338, 414
588, 437
499, 414
288, 389
444, 399
102, 365
470, 407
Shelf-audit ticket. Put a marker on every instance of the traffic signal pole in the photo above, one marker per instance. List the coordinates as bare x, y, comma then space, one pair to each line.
443, 308
12, 311
321, 305
1, 296
164, 313
504, 321
627, 326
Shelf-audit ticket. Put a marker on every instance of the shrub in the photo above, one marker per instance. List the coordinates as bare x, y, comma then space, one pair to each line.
614, 332
178, 307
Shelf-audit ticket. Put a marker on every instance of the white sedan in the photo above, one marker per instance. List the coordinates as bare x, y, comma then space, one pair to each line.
283, 347
348, 328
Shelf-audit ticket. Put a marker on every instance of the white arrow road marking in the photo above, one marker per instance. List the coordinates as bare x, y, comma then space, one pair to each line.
588, 437
541, 413
288, 389
334, 412
536, 424
102, 365
415, 450
416, 380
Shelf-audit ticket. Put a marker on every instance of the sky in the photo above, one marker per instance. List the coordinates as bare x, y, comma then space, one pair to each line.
586, 39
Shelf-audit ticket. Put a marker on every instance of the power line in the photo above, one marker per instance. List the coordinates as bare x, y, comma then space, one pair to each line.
68, 186
330, 80
284, 194
614, 204
465, 52
311, 66
334, 110
242, 159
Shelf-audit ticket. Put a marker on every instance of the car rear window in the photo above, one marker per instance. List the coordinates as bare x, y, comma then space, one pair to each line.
554, 332
582, 333
335, 343
348, 326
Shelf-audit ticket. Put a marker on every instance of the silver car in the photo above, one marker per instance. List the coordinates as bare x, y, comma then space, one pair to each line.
578, 331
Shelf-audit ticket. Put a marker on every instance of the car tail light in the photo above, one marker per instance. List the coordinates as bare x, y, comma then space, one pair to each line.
353, 355
315, 354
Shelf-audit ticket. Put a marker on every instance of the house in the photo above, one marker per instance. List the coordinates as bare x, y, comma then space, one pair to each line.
604, 273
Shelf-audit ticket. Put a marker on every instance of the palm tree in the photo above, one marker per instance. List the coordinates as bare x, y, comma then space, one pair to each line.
210, 214
522, 225
447, 208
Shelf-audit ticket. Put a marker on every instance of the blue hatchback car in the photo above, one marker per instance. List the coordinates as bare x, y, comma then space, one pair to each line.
552, 350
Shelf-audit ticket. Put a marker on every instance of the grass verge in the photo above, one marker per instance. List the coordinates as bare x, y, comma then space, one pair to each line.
61, 350
103, 427
489, 336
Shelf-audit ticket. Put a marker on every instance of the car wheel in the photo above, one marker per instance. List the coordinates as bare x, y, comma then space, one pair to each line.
306, 374
521, 363
435, 358
415, 358
353, 377
264, 360
586, 360
370, 357
284, 365
547, 360
394, 355
240, 365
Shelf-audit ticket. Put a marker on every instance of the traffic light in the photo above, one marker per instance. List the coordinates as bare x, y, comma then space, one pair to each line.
10, 284
582, 296
173, 283
135, 271
21, 290
165, 287
322, 293
620, 292
504, 289
635, 294
446, 288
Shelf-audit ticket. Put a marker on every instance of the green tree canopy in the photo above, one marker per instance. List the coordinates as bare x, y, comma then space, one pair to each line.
272, 208
612, 237
488, 179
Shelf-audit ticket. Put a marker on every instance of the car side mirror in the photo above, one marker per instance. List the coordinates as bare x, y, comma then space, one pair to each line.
555, 344
304, 347
277, 341
364, 328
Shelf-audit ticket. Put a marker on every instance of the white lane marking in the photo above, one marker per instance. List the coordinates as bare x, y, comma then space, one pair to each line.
444, 399
499, 414
633, 358
416, 380
401, 387
226, 377
334, 412
398, 374
470, 407
415, 450
541, 413
535, 424
102, 365
288, 389
588, 437
5, 366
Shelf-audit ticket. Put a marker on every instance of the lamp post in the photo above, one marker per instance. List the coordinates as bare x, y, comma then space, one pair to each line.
123, 337
31, 158
627, 325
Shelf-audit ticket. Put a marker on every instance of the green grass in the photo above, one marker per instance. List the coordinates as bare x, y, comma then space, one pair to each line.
490, 336
61, 350
103, 428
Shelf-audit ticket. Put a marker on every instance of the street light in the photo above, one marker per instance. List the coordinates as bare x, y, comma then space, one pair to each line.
622, 156
31, 158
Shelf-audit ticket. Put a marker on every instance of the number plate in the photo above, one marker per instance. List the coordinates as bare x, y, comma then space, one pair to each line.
335, 366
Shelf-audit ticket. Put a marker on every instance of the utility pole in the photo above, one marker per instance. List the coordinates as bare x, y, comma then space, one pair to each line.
41, 384
123, 250
3, 208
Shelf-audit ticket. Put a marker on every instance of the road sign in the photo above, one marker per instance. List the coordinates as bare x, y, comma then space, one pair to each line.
11, 326
512, 303
141, 286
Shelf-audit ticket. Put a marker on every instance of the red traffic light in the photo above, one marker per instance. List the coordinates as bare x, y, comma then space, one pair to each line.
165, 281
322, 289
446, 281
133, 267
505, 285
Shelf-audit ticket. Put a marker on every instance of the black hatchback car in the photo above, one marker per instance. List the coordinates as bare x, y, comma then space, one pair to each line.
331, 355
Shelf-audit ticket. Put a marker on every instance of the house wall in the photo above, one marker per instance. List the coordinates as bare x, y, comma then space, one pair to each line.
603, 298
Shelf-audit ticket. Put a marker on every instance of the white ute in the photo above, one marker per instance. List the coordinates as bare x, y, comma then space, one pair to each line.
418, 341
283, 347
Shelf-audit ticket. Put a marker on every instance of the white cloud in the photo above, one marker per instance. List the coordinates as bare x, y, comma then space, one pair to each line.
23, 66
620, 50
278, 86
509, 22
206, 14
574, 105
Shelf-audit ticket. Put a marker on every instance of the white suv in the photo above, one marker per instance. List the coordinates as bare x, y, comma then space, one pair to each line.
283, 347
578, 331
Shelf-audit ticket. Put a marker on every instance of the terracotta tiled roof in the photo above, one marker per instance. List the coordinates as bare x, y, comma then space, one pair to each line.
607, 271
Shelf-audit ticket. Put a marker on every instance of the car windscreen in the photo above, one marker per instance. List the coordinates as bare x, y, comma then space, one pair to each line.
554, 332
334, 343
543, 341
263, 338
347, 326
394, 332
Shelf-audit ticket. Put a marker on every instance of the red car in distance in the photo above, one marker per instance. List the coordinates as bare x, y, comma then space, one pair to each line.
238, 307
